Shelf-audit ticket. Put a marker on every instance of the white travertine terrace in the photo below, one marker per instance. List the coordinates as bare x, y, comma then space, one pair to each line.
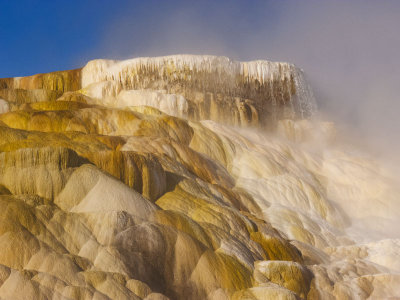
101, 69
184, 66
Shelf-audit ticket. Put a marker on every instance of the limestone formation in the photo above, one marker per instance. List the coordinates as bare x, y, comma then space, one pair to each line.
186, 177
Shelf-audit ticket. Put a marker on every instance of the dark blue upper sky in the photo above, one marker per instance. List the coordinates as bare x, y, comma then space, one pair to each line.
47, 35
41, 36
349, 49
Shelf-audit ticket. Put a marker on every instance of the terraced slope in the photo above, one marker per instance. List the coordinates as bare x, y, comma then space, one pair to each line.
126, 180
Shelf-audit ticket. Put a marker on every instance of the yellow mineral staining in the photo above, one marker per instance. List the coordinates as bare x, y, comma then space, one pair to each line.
49, 166
204, 210
74, 97
32, 228
146, 110
276, 248
265, 291
207, 142
141, 172
18, 97
215, 270
290, 275
184, 223
117, 182
54, 105
193, 161
62, 81
139, 288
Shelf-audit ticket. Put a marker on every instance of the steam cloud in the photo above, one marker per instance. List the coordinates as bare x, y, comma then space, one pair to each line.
349, 49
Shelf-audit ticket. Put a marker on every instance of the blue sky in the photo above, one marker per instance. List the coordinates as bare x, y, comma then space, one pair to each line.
47, 35
349, 49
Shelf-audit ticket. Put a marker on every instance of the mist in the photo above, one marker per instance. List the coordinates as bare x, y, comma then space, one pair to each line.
349, 51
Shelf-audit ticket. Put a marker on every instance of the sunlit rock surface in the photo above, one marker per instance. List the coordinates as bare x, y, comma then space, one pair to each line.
202, 87
186, 177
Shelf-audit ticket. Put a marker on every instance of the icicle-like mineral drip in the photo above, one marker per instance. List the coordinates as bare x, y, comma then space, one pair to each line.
215, 74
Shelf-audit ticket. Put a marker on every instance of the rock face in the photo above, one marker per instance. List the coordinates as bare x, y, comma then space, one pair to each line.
195, 87
127, 180
240, 93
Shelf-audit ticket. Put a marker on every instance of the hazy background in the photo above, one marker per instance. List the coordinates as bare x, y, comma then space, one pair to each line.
349, 49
